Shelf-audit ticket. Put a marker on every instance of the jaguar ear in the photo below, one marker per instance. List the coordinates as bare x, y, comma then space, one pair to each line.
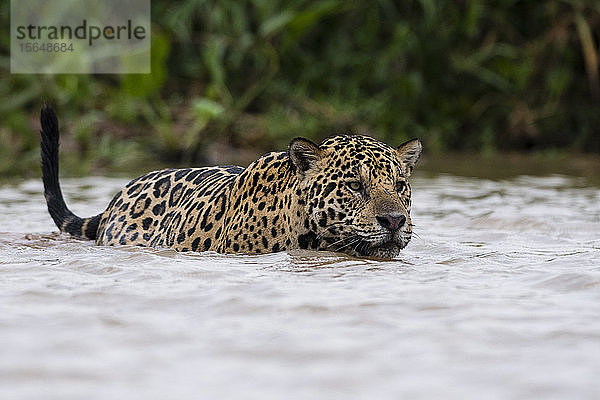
409, 153
303, 154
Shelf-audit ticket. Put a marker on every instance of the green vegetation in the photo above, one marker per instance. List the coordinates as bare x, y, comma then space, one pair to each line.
233, 78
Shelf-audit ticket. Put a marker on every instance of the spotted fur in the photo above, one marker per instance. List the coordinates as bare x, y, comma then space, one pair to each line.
349, 194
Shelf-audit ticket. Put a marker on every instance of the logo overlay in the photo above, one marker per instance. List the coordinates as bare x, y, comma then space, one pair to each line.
80, 36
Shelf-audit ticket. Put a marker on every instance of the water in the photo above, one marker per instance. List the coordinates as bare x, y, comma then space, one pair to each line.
498, 297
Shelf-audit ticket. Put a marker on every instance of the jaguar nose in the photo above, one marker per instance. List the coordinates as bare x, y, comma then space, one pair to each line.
393, 222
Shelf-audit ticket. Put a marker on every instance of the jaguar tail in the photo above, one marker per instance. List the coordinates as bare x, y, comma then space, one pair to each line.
63, 217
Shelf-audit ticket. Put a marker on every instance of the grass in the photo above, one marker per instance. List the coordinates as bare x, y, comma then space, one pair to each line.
237, 78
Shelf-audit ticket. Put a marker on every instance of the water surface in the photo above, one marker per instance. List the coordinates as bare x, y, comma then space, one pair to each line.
497, 297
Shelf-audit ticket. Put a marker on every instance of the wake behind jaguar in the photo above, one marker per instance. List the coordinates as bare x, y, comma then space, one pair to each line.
348, 194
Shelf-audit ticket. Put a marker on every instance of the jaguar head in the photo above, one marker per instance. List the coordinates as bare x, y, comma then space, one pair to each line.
355, 194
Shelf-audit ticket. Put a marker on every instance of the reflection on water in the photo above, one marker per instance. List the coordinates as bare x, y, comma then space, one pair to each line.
497, 296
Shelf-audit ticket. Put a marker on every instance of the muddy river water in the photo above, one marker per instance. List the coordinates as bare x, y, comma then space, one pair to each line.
497, 297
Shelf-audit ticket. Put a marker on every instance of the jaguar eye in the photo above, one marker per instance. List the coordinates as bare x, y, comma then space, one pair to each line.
400, 187
355, 185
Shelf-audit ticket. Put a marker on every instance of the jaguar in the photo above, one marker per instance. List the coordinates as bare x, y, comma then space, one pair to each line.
348, 194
